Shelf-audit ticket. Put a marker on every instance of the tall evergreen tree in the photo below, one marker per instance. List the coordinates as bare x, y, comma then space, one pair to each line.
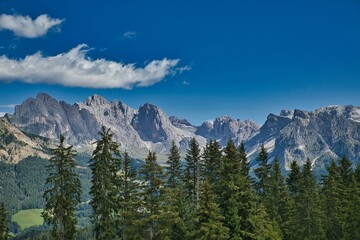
175, 195
264, 227
243, 158
4, 223
277, 199
237, 200
174, 168
352, 211
332, 203
104, 189
192, 171
210, 221
307, 219
262, 172
130, 201
293, 178
345, 171
212, 161
63, 193
152, 175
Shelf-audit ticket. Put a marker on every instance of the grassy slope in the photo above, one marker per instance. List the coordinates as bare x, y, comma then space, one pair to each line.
28, 218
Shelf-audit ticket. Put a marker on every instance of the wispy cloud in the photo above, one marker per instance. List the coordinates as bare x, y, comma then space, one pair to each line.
130, 35
186, 83
24, 26
8, 105
75, 69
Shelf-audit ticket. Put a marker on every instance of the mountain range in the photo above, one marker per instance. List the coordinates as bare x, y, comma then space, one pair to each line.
320, 135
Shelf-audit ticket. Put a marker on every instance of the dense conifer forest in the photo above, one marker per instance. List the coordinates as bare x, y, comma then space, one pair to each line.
211, 194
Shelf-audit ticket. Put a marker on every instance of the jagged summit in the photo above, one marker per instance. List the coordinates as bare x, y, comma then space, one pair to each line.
323, 134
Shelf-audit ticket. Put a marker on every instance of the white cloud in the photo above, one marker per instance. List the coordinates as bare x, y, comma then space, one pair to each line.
2, 114
75, 69
130, 35
24, 26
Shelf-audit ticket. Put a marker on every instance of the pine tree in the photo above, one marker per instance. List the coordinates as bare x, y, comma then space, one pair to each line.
307, 219
277, 199
244, 162
212, 161
4, 223
152, 175
237, 200
332, 203
192, 171
130, 200
293, 178
210, 221
264, 227
262, 172
174, 168
345, 171
175, 196
352, 211
63, 194
104, 189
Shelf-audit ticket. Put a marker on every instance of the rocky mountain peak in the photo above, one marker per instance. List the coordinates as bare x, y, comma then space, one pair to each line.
176, 121
96, 100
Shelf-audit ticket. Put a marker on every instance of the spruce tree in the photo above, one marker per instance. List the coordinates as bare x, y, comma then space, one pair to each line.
307, 218
152, 176
104, 189
277, 198
192, 171
293, 178
243, 158
63, 193
212, 161
175, 195
345, 171
210, 221
352, 211
262, 172
237, 200
174, 168
4, 223
130, 200
264, 227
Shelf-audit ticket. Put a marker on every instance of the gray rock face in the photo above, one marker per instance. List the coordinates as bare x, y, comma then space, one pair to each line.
46, 117
324, 134
224, 128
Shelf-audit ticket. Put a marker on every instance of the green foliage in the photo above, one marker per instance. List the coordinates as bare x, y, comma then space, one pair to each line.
104, 190
307, 218
237, 200
277, 198
4, 223
262, 172
212, 162
192, 171
293, 178
130, 200
210, 221
152, 196
174, 168
332, 202
352, 211
63, 193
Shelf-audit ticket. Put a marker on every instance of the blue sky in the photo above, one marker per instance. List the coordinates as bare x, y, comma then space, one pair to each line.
194, 59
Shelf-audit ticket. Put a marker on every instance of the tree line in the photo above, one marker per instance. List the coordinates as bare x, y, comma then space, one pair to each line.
211, 195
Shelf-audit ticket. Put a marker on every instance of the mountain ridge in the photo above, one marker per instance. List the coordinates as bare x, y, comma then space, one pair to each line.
321, 135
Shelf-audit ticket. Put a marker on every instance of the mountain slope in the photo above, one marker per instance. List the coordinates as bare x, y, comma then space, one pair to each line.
321, 135
15, 145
